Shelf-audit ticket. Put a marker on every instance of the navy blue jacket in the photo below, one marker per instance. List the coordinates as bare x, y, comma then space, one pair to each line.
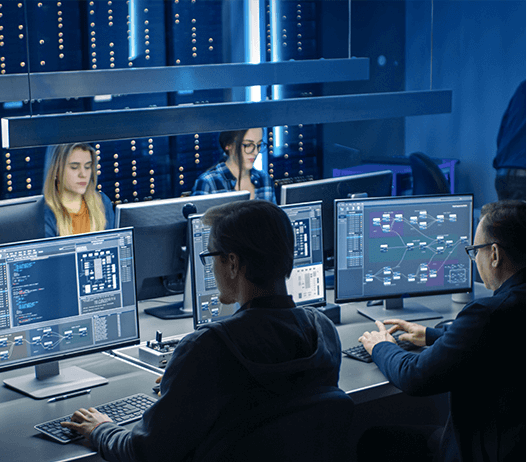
480, 360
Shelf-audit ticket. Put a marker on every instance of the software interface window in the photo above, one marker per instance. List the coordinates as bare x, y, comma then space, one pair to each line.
306, 283
206, 304
405, 245
60, 296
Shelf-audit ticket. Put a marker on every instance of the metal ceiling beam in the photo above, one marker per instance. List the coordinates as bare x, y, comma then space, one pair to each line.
44, 130
79, 84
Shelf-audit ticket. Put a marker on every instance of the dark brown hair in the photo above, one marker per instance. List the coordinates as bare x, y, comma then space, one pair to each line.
259, 233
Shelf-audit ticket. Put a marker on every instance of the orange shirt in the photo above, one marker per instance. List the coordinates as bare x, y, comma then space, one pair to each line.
81, 220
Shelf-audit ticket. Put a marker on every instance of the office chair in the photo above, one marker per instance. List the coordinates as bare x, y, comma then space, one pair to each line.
311, 425
427, 176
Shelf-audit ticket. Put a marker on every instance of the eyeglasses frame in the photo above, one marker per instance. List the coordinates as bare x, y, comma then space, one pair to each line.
204, 254
472, 248
258, 147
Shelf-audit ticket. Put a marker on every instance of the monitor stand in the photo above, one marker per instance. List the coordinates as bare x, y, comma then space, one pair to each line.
49, 380
176, 310
395, 308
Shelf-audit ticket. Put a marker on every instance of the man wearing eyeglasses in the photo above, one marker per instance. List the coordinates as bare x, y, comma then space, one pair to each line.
226, 374
479, 359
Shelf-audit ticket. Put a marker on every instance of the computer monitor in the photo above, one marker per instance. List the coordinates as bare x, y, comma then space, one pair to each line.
305, 285
22, 219
161, 245
206, 306
402, 246
63, 297
375, 184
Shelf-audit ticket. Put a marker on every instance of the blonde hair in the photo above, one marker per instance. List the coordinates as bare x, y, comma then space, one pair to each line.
54, 188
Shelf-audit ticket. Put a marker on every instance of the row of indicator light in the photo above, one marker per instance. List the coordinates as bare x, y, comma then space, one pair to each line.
285, 36
286, 146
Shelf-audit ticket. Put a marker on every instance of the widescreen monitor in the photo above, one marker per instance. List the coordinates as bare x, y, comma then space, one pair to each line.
63, 297
22, 219
396, 247
160, 231
375, 184
305, 285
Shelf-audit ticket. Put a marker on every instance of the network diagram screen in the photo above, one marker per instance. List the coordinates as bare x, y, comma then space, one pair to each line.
67, 295
401, 246
306, 283
206, 303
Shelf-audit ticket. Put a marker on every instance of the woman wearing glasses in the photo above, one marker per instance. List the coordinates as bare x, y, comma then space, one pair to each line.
237, 172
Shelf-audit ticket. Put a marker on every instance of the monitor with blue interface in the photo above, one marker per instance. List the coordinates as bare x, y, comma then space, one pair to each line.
305, 285
397, 247
160, 232
63, 297
375, 184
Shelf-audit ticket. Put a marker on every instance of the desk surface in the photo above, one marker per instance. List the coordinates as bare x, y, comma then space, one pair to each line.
20, 413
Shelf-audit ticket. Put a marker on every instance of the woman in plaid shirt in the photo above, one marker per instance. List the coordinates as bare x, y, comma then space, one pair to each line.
237, 173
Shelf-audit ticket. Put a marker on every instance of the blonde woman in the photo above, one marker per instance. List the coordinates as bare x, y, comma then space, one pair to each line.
73, 204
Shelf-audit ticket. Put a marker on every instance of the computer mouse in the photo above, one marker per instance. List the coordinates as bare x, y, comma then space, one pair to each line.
156, 389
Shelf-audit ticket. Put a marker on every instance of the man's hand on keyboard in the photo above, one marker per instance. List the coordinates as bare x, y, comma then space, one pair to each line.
414, 333
84, 421
370, 339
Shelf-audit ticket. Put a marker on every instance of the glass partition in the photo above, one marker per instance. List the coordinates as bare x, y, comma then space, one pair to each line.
39, 39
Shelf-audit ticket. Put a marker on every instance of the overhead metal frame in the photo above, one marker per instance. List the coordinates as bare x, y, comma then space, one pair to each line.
44, 130
79, 84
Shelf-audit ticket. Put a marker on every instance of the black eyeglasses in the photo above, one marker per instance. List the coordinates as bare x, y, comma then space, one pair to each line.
250, 147
472, 250
206, 257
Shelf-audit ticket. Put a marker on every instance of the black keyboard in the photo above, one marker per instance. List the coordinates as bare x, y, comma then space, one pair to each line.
121, 411
360, 353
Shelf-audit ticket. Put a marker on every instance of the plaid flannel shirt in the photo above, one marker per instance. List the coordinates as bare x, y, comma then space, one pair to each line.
219, 179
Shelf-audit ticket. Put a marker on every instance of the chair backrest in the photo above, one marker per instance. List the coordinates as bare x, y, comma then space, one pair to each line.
427, 176
311, 425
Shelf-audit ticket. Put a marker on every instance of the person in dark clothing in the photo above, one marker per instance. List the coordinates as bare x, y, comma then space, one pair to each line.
478, 359
510, 156
267, 349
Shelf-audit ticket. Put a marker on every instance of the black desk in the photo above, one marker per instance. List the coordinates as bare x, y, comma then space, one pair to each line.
21, 442
363, 381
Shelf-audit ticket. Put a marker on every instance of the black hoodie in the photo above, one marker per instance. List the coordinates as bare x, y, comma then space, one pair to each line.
268, 348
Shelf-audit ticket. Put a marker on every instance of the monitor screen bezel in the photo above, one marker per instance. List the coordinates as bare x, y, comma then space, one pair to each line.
405, 294
87, 351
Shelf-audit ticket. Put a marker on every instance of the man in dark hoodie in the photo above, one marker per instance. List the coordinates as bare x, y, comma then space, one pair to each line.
268, 348
479, 359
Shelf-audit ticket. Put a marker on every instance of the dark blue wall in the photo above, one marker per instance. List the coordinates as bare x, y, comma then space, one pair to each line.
479, 53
